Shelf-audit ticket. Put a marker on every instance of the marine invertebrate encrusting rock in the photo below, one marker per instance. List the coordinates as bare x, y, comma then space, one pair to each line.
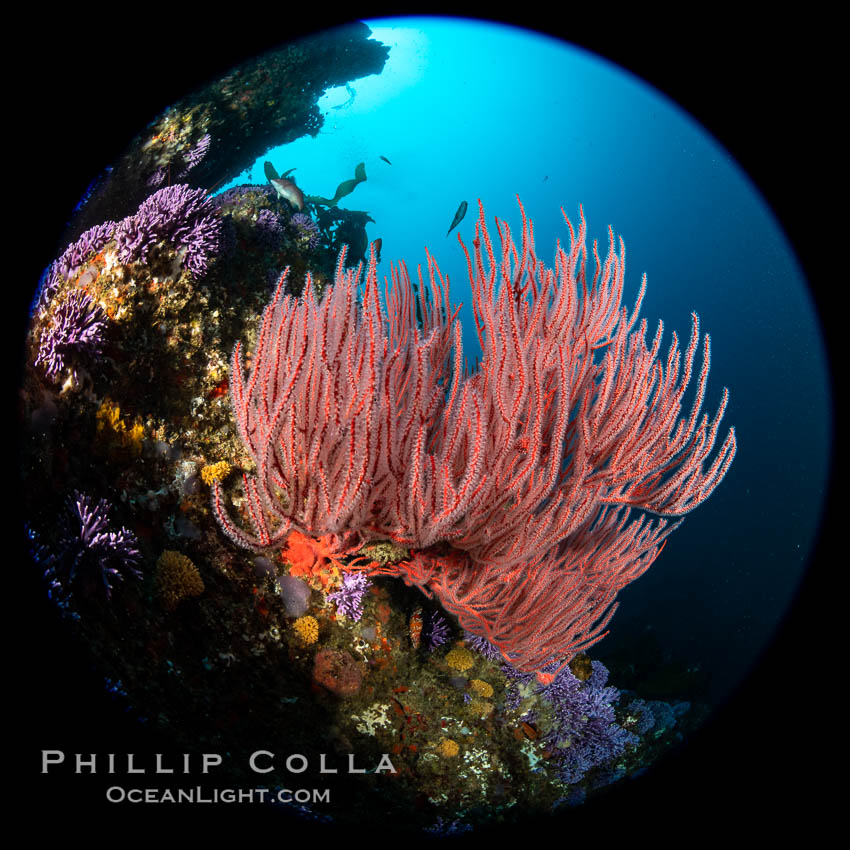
76, 326
337, 671
215, 472
460, 658
349, 598
481, 688
176, 579
91, 556
307, 628
448, 748
178, 214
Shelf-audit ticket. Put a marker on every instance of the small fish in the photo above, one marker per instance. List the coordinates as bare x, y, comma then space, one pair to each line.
288, 191
271, 174
385, 160
416, 628
379, 243
461, 212
545, 178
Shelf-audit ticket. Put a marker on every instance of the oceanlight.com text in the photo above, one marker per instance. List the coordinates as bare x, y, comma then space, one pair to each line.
119, 794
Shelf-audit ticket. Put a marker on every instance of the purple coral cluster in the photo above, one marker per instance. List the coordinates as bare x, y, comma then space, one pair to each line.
482, 645
584, 733
195, 154
656, 715
583, 729
91, 556
72, 258
157, 178
306, 231
349, 598
89, 243
436, 631
178, 214
77, 325
270, 228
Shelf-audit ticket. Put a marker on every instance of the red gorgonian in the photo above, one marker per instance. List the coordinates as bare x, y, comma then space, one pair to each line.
365, 423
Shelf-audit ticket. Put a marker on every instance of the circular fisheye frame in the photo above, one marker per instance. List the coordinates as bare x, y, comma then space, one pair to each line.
438, 540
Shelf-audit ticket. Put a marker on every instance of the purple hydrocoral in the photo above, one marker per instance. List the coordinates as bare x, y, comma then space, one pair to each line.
89, 243
72, 258
584, 732
645, 719
91, 556
270, 228
306, 231
349, 598
437, 630
195, 154
157, 178
482, 645
77, 325
656, 715
178, 214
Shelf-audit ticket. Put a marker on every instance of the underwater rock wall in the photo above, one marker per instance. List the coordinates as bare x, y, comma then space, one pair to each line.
209, 137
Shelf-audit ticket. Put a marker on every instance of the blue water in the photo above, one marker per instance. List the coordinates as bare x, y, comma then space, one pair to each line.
470, 110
